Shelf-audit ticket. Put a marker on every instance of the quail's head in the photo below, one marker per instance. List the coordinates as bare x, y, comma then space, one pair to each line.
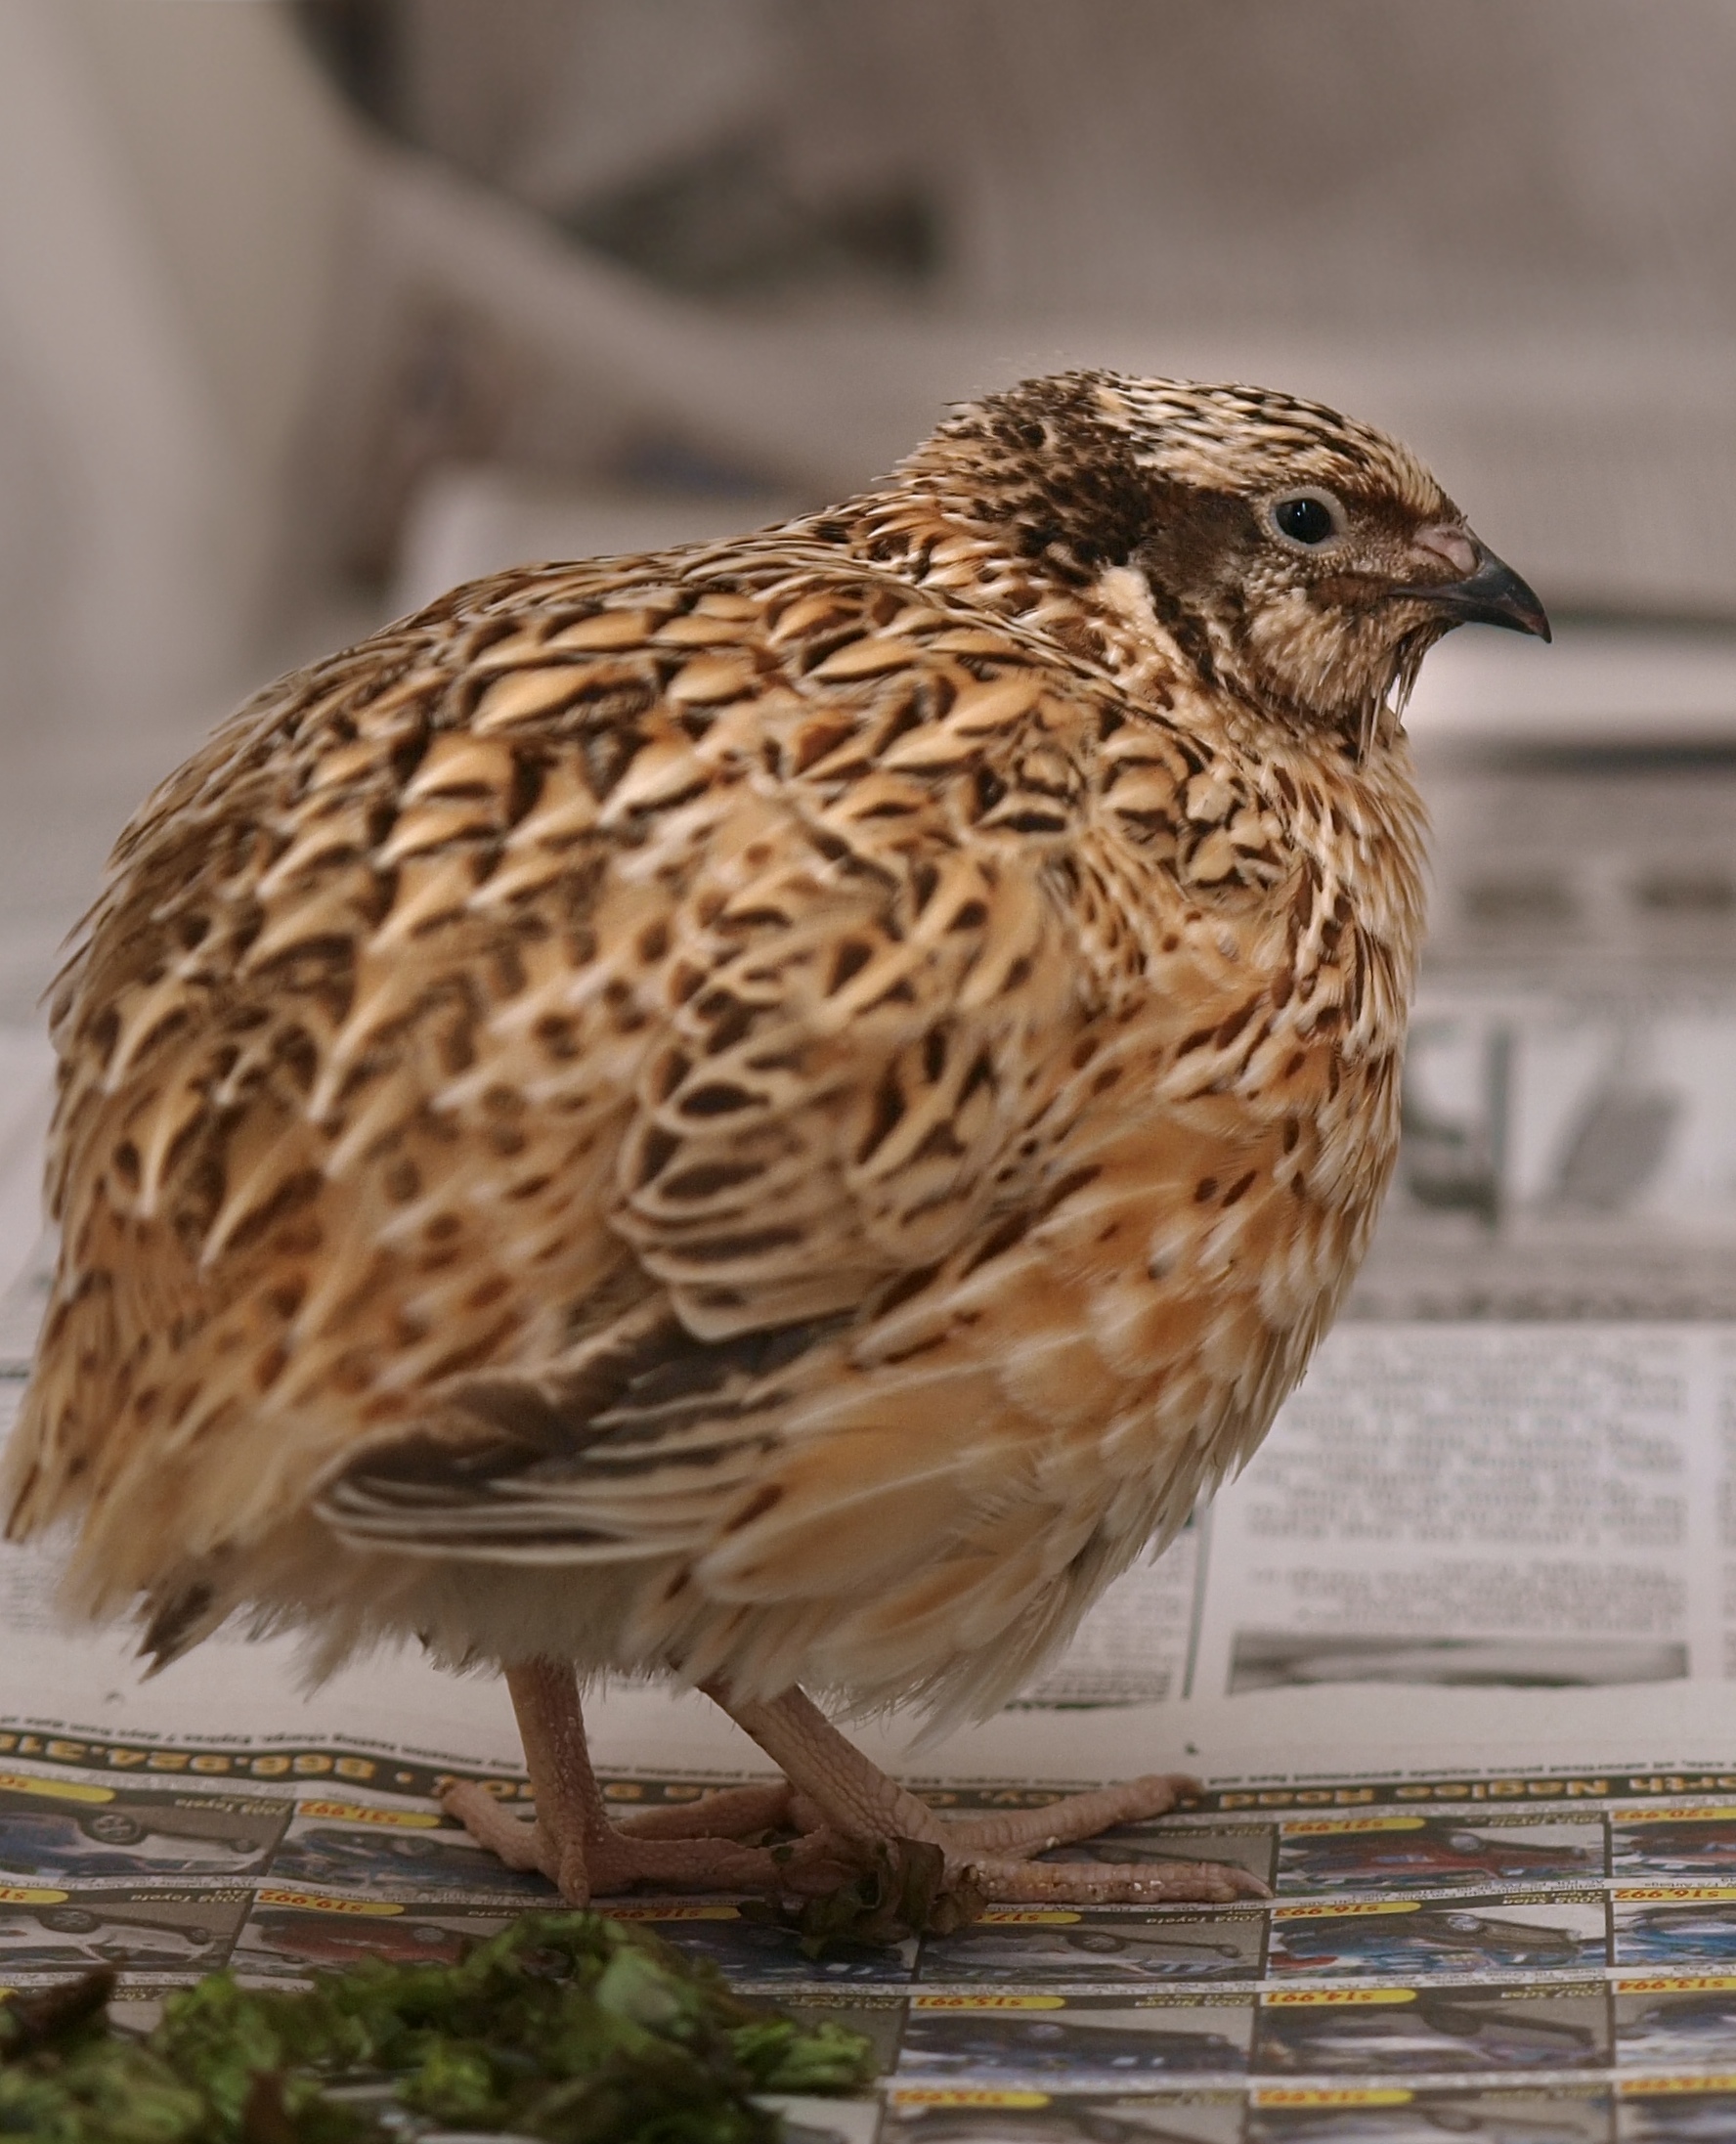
1302, 561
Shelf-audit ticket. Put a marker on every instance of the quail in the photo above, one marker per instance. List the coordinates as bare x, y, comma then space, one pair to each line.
770, 1113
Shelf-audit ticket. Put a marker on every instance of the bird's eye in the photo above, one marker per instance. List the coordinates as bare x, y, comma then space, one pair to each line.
1308, 518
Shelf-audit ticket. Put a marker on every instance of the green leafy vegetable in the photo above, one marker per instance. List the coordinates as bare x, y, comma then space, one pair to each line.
568, 2027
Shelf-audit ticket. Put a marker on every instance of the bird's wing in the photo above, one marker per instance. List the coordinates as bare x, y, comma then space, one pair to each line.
867, 1000
674, 949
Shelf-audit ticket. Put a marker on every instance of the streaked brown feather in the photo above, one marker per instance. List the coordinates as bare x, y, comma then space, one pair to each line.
778, 1109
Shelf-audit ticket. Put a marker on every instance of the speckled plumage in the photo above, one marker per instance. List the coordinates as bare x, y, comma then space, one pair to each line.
776, 1110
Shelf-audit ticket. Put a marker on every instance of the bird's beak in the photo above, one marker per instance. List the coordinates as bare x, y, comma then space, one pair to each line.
1492, 594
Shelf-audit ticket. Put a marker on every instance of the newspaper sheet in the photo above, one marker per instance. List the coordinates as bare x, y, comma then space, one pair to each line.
1452, 1659
1517, 1951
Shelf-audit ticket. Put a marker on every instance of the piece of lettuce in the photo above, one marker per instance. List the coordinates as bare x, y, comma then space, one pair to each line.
566, 2027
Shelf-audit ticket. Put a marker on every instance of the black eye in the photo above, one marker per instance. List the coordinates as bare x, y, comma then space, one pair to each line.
1310, 518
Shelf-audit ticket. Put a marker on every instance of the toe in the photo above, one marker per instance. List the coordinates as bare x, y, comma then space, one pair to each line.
520, 1845
1113, 1883
731, 1812
620, 1863
1011, 1832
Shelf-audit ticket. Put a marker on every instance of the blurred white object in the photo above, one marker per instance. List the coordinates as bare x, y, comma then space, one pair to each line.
1597, 686
466, 522
26, 1098
168, 219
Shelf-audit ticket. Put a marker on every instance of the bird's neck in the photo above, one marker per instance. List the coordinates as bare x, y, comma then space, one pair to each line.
920, 531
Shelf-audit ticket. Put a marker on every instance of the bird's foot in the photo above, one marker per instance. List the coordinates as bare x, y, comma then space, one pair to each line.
862, 1811
700, 1846
835, 1831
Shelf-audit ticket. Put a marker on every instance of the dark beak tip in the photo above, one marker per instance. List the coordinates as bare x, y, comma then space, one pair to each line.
1518, 617
1526, 615
1493, 595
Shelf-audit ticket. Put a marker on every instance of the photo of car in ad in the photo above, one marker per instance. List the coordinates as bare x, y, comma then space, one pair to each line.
67, 1831
1401, 1938
1690, 2112
389, 1852
1040, 1943
935, 2116
1690, 1846
1432, 2031
1659, 2026
1691, 1930
1407, 1853
1089, 2041
1394, 2116
46, 1933
291, 1934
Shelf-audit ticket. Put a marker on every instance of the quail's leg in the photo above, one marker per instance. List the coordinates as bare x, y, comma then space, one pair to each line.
861, 1806
574, 1841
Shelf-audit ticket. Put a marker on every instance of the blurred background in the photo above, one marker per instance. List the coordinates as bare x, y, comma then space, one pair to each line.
313, 307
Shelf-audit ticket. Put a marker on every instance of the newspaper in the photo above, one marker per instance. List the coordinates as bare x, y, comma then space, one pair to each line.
1452, 1660
1570, 1105
1526, 1952
1568, 1153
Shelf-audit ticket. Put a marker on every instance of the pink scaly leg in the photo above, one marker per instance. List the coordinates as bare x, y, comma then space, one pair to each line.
575, 1842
